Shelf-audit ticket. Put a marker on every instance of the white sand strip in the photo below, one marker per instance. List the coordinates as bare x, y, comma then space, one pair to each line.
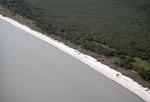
126, 82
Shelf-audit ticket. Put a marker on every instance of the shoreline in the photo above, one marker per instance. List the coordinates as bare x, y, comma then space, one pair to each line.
109, 61
143, 93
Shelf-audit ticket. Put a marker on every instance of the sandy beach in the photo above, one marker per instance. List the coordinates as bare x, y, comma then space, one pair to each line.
143, 93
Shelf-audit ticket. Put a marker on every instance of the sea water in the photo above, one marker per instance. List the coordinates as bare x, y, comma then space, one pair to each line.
32, 70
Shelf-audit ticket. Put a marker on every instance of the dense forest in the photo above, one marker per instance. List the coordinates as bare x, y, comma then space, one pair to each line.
111, 27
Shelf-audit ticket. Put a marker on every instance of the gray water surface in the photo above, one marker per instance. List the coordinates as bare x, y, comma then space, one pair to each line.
32, 70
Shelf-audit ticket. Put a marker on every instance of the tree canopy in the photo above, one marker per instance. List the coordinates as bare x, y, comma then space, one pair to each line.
109, 27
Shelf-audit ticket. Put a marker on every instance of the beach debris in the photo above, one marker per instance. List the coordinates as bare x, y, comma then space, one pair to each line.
79, 49
147, 89
117, 74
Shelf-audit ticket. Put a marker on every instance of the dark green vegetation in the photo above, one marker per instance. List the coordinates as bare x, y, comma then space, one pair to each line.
111, 27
